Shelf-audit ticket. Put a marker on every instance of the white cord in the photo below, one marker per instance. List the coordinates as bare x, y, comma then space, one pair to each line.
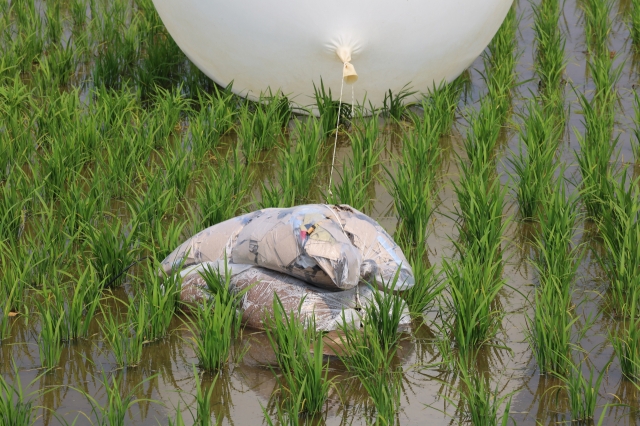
335, 142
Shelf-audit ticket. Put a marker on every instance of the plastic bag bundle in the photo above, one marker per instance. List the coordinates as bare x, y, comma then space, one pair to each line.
376, 247
328, 308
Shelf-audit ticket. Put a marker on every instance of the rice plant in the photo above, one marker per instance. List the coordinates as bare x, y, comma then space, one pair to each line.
413, 183
178, 168
298, 167
550, 48
620, 231
635, 140
428, 283
395, 104
594, 158
366, 147
126, 339
222, 194
261, 124
583, 393
160, 297
479, 404
626, 344
549, 331
634, 23
16, 407
304, 373
51, 328
384, 312
472, 285
352, 190
203, 400
113, 251
113, 411
597, 25
482, 135
214, 118
82, 305
535, 168
328, 109
439, 108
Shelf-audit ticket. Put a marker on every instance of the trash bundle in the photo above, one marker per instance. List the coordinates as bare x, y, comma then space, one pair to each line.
318, 258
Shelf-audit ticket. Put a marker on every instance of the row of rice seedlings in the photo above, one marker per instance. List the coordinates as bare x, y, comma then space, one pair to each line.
366, 147
298, 166
428, 282
478, 403
549, 331
620, 232
500, 65
595, 156
304, 373
482, 134
534, 168
52, 326
160, 297
597, 25
217, 321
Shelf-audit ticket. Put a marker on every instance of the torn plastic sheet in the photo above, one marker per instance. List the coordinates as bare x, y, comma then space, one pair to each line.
376, 246
306, 242
332, 247
330, 308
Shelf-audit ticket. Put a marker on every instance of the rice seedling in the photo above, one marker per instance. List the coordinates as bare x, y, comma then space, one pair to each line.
328, 109
635, 140
480, 221
482, 135
16, 407
304, 373
261, 125
52, 317
148, 208
479, 404
597, 25
351, 190
169, 109
80, 308
594, 157
428, 283
113, 411
535, 169
472, 286
165, 237
626, 344
413, 184
78, 9
217, 320
113, 249
395, 105
126, 339
605, 78
620, 231
298, 167
179, 168
439, 108
583, 393
214, 118
160, 297
222, 194
203, 401
366, 147
13, 202
634, 23
287, 415
385, 312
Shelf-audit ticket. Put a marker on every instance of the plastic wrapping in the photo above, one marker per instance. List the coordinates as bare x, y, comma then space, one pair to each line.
376, 246
306, 242
328, 307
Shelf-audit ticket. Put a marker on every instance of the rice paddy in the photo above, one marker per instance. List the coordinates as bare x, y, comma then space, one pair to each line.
513, 191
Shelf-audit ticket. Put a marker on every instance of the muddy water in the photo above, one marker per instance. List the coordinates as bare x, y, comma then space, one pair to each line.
164, 380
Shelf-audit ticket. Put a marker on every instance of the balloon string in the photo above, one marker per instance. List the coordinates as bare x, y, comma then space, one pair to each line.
335, 142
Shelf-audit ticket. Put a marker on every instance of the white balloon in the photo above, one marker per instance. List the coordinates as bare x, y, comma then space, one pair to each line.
289, 45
